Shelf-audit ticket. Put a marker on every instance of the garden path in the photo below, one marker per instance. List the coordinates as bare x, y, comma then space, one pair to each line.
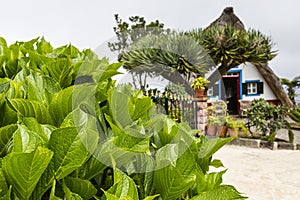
262, 174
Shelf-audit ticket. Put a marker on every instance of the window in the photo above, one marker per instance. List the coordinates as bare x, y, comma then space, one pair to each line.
254, 87
210, 92
213, 91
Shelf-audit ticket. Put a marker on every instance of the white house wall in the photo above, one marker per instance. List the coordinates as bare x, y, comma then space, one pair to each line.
250, 72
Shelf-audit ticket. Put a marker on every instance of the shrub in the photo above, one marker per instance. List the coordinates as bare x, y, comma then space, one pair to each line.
93, 140
265, 119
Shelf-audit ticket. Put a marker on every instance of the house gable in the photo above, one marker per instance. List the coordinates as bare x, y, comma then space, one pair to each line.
252, 75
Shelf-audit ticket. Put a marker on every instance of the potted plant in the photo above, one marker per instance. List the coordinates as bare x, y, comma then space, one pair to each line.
216, 125
199, 85
217, 113
235, 127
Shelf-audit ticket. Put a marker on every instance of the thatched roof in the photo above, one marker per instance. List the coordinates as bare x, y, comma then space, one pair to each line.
228, 17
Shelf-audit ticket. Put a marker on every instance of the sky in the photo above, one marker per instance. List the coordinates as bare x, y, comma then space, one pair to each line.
89, 24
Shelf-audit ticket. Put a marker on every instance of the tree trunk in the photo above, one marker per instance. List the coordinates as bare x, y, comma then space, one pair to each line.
218, 73
275, 84
176, 78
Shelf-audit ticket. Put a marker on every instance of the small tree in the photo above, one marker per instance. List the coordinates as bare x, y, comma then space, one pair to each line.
291, 86
130, 32
230, 47
176, 57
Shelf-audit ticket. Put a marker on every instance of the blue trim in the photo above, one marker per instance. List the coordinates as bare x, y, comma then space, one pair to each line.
252, 81
241, 79
234, 70
251, 95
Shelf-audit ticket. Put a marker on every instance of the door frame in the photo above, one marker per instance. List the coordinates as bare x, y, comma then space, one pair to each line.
235, 73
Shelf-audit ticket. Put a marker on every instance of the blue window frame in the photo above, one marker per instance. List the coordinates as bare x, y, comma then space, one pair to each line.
253, 88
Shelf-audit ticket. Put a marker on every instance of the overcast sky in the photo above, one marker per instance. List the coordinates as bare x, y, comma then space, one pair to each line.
88, 24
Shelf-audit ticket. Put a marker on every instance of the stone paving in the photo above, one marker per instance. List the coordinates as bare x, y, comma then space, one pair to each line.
283, 134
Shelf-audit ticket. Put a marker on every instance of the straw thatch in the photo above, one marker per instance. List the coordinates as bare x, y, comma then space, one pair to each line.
228, 17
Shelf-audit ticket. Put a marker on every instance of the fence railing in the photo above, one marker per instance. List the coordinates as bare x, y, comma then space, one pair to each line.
181, 108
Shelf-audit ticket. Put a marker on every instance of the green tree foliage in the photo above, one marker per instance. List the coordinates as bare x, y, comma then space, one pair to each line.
229, 47
291, 85
193, 53
175, 57
130, 32
78, 136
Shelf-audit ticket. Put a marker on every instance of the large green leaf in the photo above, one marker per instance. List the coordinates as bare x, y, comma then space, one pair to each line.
61, 105
11, 64
124, 187
131, 138
40, 88
176, 172
127, 105
141, 107
107, 72
25, 140
119, 103
151, 197
3, 184
145, 178
23, 170
7, 196
67, 50
31, 108
69, 195
43, 130
7, 114
61, 70
99, 70
209, 181
69, 99
4, 85
31, 134
43, 47
6, 134
108, 151
167, 133
224, 192
52, 193
16, 90
83, 188
93, 166
207, 148
71, 150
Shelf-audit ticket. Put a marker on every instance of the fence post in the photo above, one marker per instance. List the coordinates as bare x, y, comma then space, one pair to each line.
202, 114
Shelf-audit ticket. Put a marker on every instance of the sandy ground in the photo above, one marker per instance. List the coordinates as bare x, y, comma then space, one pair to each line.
262, 174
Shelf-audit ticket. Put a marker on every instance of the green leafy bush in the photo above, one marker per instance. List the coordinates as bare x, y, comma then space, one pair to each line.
265, 119
67, 132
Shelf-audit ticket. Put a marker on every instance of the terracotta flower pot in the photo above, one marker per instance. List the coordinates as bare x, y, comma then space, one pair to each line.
211, 130
233, 132
222, 131
199, 93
